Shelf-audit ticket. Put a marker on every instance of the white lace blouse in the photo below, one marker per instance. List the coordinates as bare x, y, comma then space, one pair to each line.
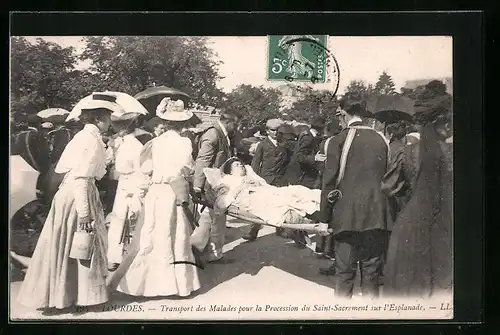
83, 159
169, 157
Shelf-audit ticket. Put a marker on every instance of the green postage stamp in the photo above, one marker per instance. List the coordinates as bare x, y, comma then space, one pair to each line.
302, 58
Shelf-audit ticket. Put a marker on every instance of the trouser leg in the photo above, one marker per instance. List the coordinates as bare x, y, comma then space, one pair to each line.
253, 232
373, 247
346, 259
217, 235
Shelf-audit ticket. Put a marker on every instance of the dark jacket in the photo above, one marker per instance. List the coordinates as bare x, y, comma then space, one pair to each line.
285, 154
214, 150
33, 147
59, 139
265, 159
303, 169
400, 177
320, 165
363, 205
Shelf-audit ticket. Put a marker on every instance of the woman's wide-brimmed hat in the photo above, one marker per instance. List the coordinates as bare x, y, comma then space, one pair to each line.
433, 103
118, 103
94, 102
173, 111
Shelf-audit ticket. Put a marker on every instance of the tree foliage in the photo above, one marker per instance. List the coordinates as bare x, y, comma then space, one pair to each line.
385, 84
133, 63
311, 104
358, 90
41, 74
254, 104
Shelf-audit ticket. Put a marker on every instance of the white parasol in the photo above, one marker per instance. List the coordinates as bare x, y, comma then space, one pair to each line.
23, 180
119, 103
50, 112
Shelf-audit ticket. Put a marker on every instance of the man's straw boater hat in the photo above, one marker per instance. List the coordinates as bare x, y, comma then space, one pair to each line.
173, 111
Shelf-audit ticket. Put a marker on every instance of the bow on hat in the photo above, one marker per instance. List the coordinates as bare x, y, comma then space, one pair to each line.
173, 110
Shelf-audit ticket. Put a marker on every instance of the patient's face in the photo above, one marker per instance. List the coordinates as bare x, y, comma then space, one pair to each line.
237, 169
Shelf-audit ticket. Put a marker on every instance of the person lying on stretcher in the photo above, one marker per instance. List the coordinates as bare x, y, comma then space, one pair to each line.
236, 178
240, 186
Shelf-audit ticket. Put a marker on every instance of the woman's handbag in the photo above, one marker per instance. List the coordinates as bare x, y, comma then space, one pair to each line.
334, 195
82, 245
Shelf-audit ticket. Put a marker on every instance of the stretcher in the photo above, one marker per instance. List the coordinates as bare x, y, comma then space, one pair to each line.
244, 215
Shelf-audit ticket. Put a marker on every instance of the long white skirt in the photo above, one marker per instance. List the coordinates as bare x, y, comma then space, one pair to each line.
55, 280
161, 242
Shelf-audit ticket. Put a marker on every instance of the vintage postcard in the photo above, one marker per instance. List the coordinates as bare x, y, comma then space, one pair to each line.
283, 177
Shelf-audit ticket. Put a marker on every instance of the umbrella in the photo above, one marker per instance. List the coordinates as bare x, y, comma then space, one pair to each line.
151, 97
122, 103
50, 112
22, 183
162, 91
391, 108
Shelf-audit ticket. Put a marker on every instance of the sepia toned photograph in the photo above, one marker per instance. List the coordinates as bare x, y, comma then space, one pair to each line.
281, 177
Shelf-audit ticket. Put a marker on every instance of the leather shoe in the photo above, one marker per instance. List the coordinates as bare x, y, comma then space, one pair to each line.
251, 235
214, 259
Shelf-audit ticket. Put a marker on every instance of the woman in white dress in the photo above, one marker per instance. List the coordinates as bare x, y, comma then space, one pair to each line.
127, 202
53, 279
160, 261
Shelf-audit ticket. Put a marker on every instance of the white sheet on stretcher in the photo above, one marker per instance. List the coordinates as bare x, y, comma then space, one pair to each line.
271, 203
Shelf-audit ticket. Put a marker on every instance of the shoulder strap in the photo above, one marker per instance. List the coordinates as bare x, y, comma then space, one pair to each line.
345, 152
325, 148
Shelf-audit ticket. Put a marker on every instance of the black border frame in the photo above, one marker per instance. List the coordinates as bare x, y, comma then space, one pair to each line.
467, 29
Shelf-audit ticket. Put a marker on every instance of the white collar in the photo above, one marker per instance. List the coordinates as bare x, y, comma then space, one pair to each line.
354, 119
414, 134
224, 131
314, 132
139, 131
92, 128
273, 141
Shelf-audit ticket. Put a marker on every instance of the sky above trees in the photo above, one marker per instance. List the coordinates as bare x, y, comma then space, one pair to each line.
48, 73
243, 59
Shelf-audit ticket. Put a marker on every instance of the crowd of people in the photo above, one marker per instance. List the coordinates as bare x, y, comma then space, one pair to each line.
385, 195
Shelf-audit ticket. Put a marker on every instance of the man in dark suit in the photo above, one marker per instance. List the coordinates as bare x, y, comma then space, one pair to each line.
264, 164
266, 154
360, 219
214, 149
303, 168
